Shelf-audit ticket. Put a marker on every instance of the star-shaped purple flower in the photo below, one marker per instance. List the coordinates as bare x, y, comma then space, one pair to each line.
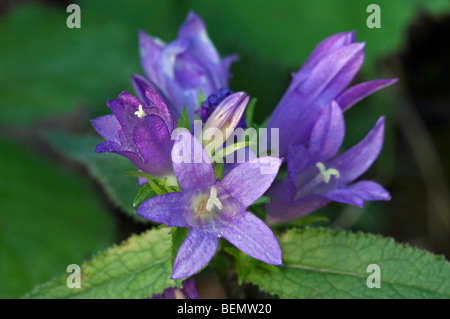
183, 67
317, 176
323, 78
213, 209
140, 131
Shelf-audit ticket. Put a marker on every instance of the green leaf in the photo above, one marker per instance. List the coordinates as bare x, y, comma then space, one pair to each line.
145, 192
303, 221
218, 171
224, 152
319, 263
249, 111
201, 98
140, 267
258, 210
262, 200
49, 219
184, 122
49, 69
108, 169
178, 236
158, 185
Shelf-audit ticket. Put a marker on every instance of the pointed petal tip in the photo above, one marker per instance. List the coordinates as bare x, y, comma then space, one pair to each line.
276, 260
193, 15
352, 35
392, 81
177, 274
360, 45
100, 148
143, 37
136, 76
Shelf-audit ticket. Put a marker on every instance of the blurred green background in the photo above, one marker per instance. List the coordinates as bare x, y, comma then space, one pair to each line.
52, 213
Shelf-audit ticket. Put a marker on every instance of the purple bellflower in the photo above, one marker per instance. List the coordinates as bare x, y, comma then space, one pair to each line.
317, 176
213, 209
140, 131
323, 78
212, 102
189, 291
183, 67
224, 119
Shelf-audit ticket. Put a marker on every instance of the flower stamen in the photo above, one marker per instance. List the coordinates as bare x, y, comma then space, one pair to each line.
213, 200
326, 173
140, 113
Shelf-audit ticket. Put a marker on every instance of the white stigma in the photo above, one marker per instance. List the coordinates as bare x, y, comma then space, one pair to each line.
140, 113
326, 173
213, 200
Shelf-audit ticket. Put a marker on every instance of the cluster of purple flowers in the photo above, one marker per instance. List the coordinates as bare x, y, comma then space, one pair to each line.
311, 129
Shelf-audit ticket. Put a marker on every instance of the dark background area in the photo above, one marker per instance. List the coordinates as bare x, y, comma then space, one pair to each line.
54, 78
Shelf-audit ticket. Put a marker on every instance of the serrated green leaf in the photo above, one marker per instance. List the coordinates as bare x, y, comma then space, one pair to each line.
108, 169
184, 122
139, 267
319, 263
301, 222
49, 219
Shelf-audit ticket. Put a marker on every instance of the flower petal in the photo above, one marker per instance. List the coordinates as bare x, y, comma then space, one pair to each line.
152, 98
178, 95
225, 118
282, 208
328, 133
195, 252
113, 147
157, 100
369, 191
249, 181
254, 238
154, 142
108, 127
360, 157
189, 291
226, 64
124, 109
236, 158
358, 92
140, 84
194, 29
305, 102
169, 209
329, 45
150, 51
358, 193
344, 195
191, 162
299, 159
202, 49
